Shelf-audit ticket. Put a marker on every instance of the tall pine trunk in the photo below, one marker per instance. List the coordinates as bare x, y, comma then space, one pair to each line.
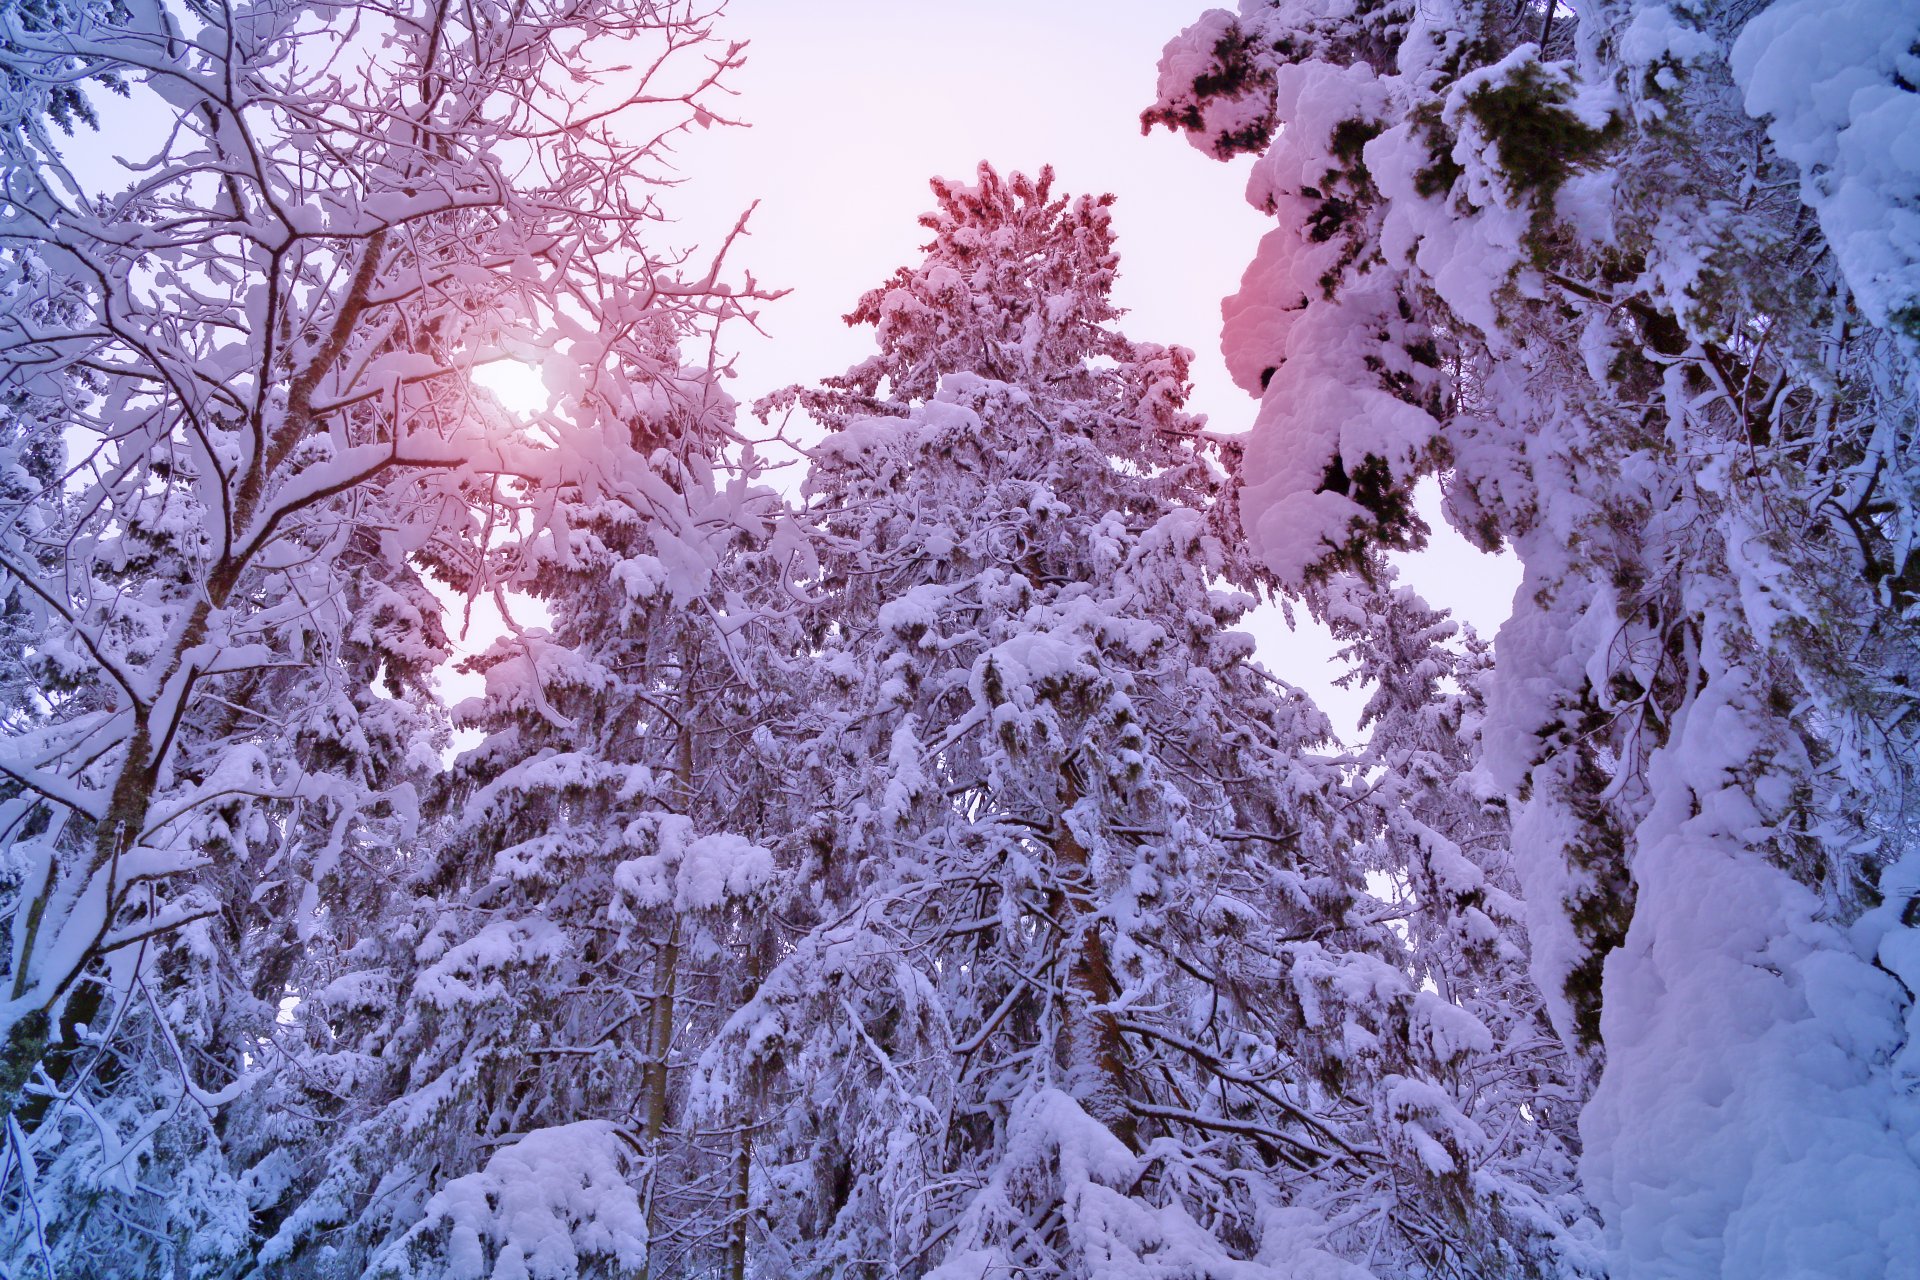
1091, 1048
660, 1033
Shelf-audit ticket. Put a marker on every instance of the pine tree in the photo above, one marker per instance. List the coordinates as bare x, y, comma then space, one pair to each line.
1096, 980
1593, 271
588, 894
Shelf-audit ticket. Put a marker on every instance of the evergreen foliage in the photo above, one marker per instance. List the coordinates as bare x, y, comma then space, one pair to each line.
1103, 969
1627, 281
916, 876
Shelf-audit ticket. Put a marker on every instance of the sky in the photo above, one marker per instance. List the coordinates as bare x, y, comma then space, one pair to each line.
854, 104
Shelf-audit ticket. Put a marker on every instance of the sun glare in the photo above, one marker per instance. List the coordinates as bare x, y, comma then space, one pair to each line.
517, 385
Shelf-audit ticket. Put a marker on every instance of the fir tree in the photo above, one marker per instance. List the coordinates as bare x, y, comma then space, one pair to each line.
589, 893
1099, 983
1593, 270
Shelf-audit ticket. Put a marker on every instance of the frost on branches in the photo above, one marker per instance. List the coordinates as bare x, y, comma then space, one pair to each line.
583, 906
238, 440
1096, 985
1639, 286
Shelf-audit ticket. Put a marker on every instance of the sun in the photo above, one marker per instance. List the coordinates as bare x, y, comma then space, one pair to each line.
517, 385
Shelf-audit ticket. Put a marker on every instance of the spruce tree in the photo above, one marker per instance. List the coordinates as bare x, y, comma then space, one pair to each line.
585, 897
1442, 838
1098, 983
1626, 279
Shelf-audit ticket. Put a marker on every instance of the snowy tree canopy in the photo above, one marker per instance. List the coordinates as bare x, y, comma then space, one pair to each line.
241, 440
1102, 967
873, 848
1632, 283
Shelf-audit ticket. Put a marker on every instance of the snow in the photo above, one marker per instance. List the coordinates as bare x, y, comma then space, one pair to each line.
1193, 54
1057, 1151
1748, 1115
1255, 319
865, 436
1314, 98
1654, 35
1822, 73
940, 842
540, 1205
908, 780
1742, 1125
721, 868
471, 972
1451, 1033
1021, 665
914, 612
691, 872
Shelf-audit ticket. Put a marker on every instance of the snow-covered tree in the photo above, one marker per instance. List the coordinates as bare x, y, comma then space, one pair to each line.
1632, 281
240, 434
1441, 836
585, 904
161, 1176
1096, 983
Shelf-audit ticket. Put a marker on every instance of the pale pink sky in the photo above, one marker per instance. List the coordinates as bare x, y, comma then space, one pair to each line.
855, 103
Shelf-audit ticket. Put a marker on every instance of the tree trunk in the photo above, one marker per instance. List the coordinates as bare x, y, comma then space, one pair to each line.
1093, 1054
660, 1032
743, 1151
654, 1080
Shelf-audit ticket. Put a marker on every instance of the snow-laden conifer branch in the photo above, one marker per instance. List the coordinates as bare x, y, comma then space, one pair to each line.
1093, 977
1627, 281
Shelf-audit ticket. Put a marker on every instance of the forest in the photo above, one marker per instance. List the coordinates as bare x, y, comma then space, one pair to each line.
877, 849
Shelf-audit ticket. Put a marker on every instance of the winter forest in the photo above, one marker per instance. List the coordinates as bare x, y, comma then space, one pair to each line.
485, 797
